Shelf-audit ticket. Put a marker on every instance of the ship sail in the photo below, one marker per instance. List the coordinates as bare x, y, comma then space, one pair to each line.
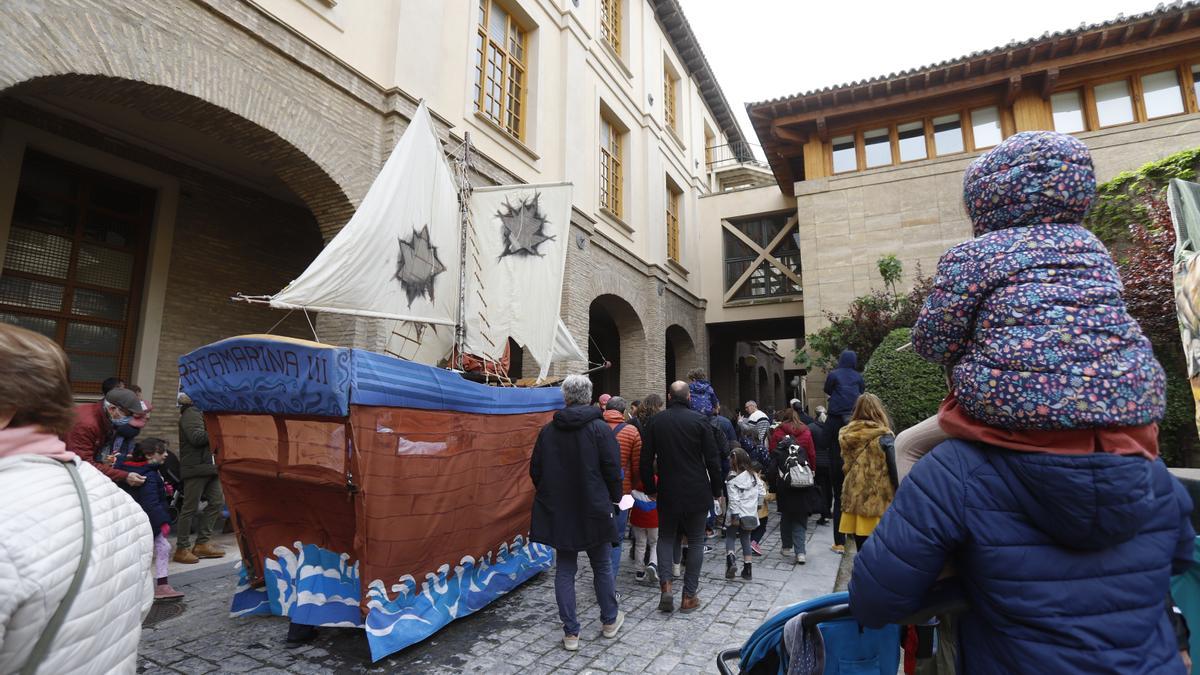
518, 255
398, 257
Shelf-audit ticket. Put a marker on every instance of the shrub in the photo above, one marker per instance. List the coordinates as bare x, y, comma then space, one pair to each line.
910, 387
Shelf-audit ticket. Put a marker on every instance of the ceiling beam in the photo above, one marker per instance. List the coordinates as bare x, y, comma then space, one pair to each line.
1049, 82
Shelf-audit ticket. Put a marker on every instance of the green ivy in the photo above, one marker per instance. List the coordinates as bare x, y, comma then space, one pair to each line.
910, 387
1120, 201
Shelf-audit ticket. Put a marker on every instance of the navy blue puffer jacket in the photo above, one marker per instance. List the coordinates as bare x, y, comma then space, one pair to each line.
1065, 560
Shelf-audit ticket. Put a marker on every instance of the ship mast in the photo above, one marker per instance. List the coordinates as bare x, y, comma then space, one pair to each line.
462, 167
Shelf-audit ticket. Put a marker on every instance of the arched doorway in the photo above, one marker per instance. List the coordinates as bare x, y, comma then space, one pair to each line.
762, 394
745, 382
615, 335
680, 354
780, 400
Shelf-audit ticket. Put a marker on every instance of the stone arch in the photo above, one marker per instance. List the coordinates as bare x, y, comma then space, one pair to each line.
294, 168
615, 334
681, 353
762, 392
745, 391
780, 399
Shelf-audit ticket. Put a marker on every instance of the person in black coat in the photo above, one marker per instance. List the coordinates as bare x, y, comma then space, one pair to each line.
680, 444
824, 473
576, 472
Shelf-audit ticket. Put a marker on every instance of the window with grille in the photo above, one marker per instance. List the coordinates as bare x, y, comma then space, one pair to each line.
500, 66
670, 102
610, 23
74, 263
610, 167
672, 222
748, 272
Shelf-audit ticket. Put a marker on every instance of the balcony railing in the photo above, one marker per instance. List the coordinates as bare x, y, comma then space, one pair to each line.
732, 154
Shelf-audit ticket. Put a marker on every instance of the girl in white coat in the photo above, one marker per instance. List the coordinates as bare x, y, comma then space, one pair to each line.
744, 495
64, 607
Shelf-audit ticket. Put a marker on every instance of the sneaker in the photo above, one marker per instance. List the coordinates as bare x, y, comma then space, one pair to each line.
165, 592
787, 553
609, 630
652, 573
185, 556
756, 548
823, 521
800, 559
640, 575
571, 643
619, 596
746, 572
708, 549
838, 549
676, 571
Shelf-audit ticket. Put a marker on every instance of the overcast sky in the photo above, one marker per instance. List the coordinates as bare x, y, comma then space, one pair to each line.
763, 49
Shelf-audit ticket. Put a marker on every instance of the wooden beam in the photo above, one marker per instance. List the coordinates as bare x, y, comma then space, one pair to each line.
1049, 82
1035, 67
822, 129
788, 135
1011, 89
1155, 27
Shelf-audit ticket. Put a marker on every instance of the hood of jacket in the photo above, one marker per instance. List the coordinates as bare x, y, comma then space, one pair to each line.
1088, 502
576, 417
744, 481
848, 359
614, 417
1032, 178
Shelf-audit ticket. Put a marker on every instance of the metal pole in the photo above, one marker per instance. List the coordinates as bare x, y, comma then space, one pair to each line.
464, 212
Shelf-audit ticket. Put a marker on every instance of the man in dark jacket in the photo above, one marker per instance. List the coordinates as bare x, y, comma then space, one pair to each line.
1065, 559
576, 472
199, 481
680, 444
843, 386
823, 474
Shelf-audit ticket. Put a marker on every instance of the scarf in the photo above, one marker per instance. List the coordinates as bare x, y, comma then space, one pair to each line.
31, 441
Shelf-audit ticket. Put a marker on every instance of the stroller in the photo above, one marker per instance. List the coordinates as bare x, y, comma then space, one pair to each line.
830, 641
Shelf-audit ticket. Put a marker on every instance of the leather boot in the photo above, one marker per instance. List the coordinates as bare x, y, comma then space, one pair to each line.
207, 550
746, 572
730, 566
666, 602
185, 556
690, 603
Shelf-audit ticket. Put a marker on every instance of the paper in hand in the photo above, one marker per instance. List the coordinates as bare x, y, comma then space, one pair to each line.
626, 503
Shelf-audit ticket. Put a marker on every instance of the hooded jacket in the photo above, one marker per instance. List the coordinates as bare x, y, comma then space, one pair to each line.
195, 453
577, 480
1030, 312
151, 495
704, 399
1064, 560
844, 384
679, 443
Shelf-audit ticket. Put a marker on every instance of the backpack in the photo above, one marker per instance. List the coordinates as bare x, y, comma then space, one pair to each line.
795, 471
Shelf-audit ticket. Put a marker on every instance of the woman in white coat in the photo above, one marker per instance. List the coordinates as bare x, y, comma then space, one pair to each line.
64, 607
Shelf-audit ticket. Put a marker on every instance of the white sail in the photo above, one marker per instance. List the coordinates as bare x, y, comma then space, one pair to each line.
398, 257
519, 246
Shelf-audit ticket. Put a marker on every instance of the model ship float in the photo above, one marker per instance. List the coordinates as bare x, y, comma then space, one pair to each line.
386, 491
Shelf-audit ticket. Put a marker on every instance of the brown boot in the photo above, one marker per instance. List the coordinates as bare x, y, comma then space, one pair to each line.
185, 556
666, 602
690, 603
207, 550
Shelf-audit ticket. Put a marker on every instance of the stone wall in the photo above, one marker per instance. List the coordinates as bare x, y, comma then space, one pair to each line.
915, 211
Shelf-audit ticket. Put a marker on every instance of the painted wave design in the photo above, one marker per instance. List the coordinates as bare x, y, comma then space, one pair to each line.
414, 614
311, 585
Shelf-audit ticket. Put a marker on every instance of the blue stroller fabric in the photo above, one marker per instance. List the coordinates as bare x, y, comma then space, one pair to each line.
848, 648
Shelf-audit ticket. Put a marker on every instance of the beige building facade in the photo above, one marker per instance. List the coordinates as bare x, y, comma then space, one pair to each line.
875, 168
158, 157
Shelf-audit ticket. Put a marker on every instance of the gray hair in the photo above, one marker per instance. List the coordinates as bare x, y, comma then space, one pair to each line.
577, 390
615, 403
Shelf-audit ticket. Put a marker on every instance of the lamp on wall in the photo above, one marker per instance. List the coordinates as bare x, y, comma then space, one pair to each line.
750, 360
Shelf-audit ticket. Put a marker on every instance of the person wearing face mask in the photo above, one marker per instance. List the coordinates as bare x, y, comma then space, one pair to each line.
96, 428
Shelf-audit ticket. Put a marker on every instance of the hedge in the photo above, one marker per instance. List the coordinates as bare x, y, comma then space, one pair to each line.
910, 387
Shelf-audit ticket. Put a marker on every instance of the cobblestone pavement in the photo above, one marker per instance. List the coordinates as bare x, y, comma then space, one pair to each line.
518, 633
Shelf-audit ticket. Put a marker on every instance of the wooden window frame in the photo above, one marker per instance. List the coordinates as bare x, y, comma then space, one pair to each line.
1133, 79
611, 169
674, 195
1007, 128
670, 98
508, 65
610, 23
142, 222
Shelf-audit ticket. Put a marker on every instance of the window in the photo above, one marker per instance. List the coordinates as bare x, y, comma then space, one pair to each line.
878, 147
985, 126
947, 135
1113, 103
1068, 112
912, 141
673, 194
1161, 94
610, 167
670, 102
73, 265
709, 140
748, 272
500, 68
844, 158
610, 23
